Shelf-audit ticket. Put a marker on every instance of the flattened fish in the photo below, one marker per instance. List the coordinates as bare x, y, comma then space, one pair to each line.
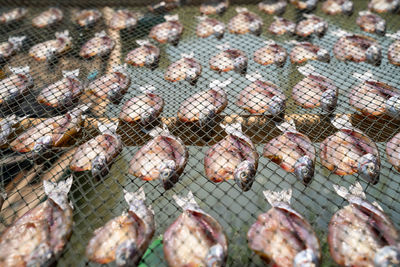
164, 6
234, 157
124, 19
262, 97
194, 238
394, 53
62, 93
210, 7
229, 59
270, 7
112, 86
336, 7
146, 55
306, 51
305, 4
187, 68
209, 26
350, 151
271, 53
393, 151
383, 6
16, 84
144, 108
125, 238
311, 25
358, 48
245, 22
169, 31
282, 236
163, 158
13, 15
97, 155
87, 17
361, 234
53, 48
100, 45
38, 237
7, 127
281, 26
48, 18
10, 47
372, 23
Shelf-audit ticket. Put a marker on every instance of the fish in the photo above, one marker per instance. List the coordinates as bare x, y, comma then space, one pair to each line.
195, 238
293, 152
305, 4
305, 51
16, 85
229, 59
87, 17
48, 18
100, 45
394, 53
271, 53
64, 92
8, 125
281, 26
205, 106
187, 68
234, 157
315, 90
392, 151
350, 151
270, 7
3, 197
124, 239
112, 86
361, 234
383, 6
163, 158
211, 7
245, 22
13, 15
98, 154
262, 97
311, 25
370, 22
209, 26
11, 47
336, 7
144, 108
164, 6
49, 50
282, 236
358, 48
169, 31
146, 55
38, 237
124, 19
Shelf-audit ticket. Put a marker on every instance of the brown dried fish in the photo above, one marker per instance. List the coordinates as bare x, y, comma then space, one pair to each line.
194, 238
209, 26
87, 17
271, 53
393, 151
382, 6
394, 53
38, 237
169, 31
187, 68
210, 7
13, 15
124, 19
336, 7
306, 51
311, 25
282, 236
270, 7
245, 22
53, 48
10, 47
281, 26
15, 85
229, 59
48, 18
305, 4
146, 55
372, 23
125, 238
100, 45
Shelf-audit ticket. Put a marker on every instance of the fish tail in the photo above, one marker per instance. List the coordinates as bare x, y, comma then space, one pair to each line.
130, 197
186, 202
274, 197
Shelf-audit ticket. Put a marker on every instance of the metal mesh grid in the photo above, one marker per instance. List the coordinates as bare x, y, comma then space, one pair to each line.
97, 201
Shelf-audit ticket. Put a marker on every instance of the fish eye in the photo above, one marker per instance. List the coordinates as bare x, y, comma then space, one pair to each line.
243, 175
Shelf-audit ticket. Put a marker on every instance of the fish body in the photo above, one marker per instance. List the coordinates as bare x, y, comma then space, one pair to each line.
306, 51
370, 22
393, 151
336, 7
10, 47
16, 84
7, 127
146, 55
282, 26
311, 25
87, 17
305, 4
50, 49
271, 54
229, 59
13, 15
124, 19
214, 7
101, 45
186, 68
167, 32
273, 6
394, 53
209, 26
383, 6
245, 22
48, 18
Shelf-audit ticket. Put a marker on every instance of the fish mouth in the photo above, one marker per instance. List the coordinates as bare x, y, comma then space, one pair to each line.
244, 175
373, 55
368, 168
215, 256
304, 169
387, 256
306, 258
168, 174
393, 106
126, 253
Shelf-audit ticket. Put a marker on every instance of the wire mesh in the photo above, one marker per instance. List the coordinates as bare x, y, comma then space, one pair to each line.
98, 200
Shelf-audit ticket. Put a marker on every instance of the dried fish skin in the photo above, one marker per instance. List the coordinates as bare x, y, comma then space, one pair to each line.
271, 54
38, 237
306, 51
167, 32
52, 48
394, 53
372, 23
336, 7
282, 26
186, 68
311, 25
124, 19
146, 55
383, 6
101, 45
48, 18
16, 84
245, 22
209, 26
305, 4
270, 7
214, 7
229, 59
10, 47
87, 17
14, 15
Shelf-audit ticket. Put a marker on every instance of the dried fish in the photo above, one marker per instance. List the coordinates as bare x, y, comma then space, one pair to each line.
393, 151
293, 151
394, 53
372, 23
125, 238
210, 7
245, 22
53, 48
229, 59
48, 18
87, 17
146, 55
282, 236
100, 45
163, 158
336, 7
164, 6
98, 154
273, 6
209, 26
305, 4
14, 15
382, 6
16, 84
112, 86
169, 31
38, 237
271, 53
194, 238
187, 68
234, 157
7, 127
62, 93
10, 47
281, 26
311, 25
306, 51
361, 234
124, 19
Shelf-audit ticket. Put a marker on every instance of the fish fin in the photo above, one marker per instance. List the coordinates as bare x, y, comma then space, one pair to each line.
81, 108
190, 55
355, 190
342, 122
241, 9
254, 76
130, 197
287, 125
395, 35
143, 42
376, 204
223, 46
171, 17
100, 34
71, 73
17, 41
3, 195
121, 69
148, 89
201, 18
364, 12
20, 70
269, 42
366, 76
220, 84
275, 197
156, 131
12, 119
309, 16
64, 34
58, 192
236, 130
186, 203
307, 69
292, 42
340, 33
108, 127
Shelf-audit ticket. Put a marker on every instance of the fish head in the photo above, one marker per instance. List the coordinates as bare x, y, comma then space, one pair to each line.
240, 64
148, 115
43, 144
373, 55
126, 253
280, 59
173, 36
99, 166
388, 256
348, 8
368, 168
304, 169
150, 60
306, 258
380, 27
215, 256
244, 175
168, 173
206, 116
320, 28
51, 54
255, 27
192, 74
311, 4
277, 106
323, 55
115, 95
393, 106
219, 30
329, 101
